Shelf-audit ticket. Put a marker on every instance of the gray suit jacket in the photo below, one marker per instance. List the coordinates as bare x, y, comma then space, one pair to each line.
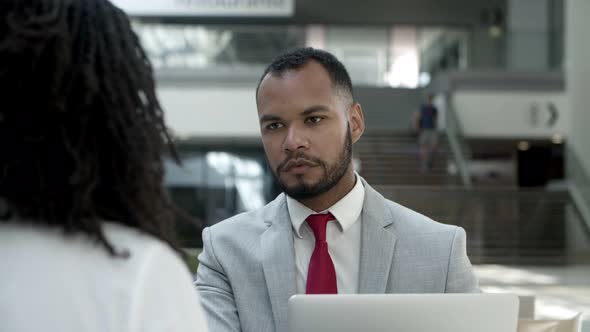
246, 273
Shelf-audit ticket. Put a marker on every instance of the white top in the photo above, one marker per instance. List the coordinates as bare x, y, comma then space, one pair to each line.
343, 237
52, 282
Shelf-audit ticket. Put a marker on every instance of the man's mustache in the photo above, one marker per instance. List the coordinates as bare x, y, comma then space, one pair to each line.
298, 159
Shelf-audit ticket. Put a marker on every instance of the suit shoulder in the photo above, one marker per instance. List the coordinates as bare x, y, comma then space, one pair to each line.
243, 222
247, 222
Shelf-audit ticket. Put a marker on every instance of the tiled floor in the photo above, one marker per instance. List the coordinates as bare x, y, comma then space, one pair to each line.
560, 291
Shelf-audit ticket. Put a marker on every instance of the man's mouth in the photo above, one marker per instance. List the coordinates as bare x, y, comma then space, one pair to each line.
297, 165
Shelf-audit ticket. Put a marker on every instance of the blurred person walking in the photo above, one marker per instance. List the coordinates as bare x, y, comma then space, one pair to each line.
425, 123
86, 229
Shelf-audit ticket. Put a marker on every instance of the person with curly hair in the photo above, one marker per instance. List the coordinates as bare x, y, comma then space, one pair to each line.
86, 227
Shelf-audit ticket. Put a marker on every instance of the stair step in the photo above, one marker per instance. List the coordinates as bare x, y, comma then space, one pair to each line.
393, 158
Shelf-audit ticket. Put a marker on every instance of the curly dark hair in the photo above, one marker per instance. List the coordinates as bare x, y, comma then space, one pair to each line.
82, 134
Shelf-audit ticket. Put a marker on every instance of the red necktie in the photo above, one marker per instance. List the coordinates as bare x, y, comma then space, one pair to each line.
321, 276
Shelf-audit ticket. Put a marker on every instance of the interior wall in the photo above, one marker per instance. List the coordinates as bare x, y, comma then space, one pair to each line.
578, 76
507, 114
210, 111
388, 109
528, 34
218, 111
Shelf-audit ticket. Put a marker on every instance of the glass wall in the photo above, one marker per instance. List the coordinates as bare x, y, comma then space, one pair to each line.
213, 183
214, 46
379, 56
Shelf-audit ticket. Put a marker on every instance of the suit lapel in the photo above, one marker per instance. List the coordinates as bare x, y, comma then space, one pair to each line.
278, 261
377, 243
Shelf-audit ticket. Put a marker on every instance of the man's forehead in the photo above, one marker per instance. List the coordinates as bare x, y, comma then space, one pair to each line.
311, 80
311, 77
311, 69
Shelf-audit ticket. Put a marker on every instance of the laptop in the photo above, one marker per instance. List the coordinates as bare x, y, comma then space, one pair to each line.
404, 313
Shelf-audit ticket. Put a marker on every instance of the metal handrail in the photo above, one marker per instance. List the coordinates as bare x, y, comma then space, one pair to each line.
454, 137
459, 192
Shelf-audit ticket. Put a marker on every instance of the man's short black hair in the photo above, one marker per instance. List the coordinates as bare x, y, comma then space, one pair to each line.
298, 58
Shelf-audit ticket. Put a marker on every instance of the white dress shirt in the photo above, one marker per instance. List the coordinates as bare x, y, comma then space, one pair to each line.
343, 237
68, 283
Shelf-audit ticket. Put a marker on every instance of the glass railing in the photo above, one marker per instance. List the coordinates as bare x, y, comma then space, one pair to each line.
579, 184
198, 47
504, 226
372, 54
546, 46
457, 143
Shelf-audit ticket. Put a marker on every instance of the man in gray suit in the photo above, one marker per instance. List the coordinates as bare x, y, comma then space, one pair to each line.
253, 263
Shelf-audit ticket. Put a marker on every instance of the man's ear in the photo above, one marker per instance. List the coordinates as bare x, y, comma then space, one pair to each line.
356, 121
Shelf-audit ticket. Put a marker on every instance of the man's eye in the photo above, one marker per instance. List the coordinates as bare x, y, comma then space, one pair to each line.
274, 125
314, 119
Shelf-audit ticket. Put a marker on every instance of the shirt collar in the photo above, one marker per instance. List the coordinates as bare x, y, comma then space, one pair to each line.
346, 210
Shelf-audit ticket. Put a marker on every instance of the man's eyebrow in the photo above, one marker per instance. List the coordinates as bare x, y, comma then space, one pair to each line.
314, 109
307, 112
268, 117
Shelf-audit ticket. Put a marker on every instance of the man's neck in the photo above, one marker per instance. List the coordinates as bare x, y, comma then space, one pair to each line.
332, 196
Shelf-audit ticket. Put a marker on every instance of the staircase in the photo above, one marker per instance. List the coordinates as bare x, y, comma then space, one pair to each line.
503, 225
393, 159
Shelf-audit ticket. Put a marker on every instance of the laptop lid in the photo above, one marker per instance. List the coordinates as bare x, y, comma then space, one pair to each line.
404, 313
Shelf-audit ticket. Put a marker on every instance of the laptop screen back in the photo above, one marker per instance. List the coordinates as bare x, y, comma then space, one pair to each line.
404, 313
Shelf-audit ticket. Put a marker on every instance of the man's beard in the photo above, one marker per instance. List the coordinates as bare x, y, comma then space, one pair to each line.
333, 173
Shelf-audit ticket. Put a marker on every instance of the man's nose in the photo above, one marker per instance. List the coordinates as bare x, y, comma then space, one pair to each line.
295, 140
